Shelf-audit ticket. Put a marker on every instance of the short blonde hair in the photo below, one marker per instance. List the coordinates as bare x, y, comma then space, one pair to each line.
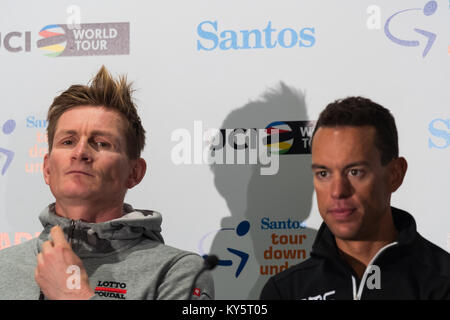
102, 91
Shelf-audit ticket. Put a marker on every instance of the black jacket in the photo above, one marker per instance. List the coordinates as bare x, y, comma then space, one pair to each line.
413, 268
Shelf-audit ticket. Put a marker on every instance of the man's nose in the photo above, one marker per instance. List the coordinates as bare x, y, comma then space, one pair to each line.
82, 151
341, 188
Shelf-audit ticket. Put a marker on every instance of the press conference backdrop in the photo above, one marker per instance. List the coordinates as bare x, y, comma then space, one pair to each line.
210, 76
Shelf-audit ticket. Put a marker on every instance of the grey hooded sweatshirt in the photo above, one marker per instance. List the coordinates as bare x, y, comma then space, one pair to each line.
125, 258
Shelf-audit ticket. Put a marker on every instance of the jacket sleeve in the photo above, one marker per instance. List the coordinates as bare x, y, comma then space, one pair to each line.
442, 290
270, 291
176, 283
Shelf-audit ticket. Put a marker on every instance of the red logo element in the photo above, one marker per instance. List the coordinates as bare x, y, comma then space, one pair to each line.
110, 290
197, 292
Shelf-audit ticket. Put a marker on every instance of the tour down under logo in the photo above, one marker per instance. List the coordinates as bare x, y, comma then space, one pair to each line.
89, 39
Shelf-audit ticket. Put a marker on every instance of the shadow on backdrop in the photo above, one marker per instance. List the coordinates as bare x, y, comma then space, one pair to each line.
249, 252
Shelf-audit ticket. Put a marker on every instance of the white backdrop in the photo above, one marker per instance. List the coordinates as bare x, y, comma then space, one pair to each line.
191, 63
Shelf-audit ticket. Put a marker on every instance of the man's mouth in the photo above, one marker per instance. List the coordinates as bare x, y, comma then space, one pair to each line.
341, 213
80, 172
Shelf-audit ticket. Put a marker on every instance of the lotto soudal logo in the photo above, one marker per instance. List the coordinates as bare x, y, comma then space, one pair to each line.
90, 39
111, 289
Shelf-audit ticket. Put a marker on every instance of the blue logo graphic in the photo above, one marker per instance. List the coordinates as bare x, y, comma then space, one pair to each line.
441, 134
212, 37
7, 128
428, 10
241, 230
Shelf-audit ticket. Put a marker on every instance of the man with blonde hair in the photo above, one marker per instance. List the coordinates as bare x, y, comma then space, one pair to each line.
93, 244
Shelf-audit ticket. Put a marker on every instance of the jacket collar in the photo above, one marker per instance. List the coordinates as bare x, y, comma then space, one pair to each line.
325, 243
106, 237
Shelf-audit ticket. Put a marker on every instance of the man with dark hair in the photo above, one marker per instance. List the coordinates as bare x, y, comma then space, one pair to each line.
365, 249
95, 246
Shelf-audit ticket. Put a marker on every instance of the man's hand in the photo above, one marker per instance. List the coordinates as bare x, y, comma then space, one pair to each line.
55, 264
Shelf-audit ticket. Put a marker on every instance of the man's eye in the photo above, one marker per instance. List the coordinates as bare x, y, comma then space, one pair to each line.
102, 144
355, 172
322, 174
67, 142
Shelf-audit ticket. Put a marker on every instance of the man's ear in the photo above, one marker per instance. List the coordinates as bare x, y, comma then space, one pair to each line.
397, 172
46, 169
138, 169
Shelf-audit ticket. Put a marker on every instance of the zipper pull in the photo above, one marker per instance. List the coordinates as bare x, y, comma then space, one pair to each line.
71, 231
355, 293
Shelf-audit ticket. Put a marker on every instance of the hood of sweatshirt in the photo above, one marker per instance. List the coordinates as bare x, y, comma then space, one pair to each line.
91, 239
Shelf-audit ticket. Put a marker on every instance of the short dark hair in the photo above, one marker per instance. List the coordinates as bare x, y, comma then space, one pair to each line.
358, 112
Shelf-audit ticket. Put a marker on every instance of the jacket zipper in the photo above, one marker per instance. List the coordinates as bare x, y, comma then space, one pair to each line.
357, 294
71, 232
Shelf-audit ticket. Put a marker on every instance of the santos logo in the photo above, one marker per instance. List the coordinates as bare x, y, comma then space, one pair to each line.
212, 38
440, 131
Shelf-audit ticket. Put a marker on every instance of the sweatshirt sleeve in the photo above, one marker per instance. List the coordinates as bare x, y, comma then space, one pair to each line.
176, 283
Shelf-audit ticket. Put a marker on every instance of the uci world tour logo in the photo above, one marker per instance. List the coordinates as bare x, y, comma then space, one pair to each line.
90, 39
55, 40
285, 140
293, 137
